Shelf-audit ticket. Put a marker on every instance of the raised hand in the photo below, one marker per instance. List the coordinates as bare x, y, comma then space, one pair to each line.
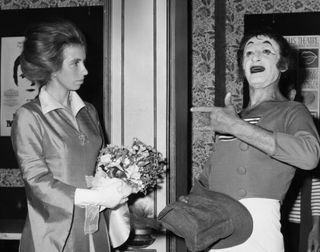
223, 119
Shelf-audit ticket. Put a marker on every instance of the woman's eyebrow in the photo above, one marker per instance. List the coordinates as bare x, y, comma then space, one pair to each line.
76, 60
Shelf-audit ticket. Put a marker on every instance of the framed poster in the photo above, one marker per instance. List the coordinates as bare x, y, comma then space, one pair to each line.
308, 71
16, 90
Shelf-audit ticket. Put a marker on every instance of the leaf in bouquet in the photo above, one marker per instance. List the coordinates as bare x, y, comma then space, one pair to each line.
142, 163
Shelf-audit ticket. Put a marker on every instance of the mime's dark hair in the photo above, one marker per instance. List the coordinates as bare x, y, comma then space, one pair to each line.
286, 61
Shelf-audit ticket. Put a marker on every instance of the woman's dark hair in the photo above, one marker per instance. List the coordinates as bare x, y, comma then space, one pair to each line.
43, 48
286, 61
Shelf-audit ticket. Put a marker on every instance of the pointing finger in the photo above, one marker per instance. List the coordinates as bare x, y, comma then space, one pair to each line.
201, 109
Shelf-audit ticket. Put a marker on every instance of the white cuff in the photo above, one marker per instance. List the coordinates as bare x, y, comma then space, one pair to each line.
85, 197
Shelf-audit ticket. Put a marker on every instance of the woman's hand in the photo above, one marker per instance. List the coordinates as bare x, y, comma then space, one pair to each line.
105, 192
112, 192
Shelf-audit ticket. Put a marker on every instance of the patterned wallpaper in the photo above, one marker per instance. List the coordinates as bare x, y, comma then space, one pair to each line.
203, 78
25, 4
204, 64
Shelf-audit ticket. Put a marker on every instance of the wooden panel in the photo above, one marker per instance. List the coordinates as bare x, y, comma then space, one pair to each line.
139, 94
180, 120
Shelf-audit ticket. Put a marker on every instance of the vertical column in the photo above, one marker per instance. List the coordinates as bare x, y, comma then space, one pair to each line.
139, 84
220, 50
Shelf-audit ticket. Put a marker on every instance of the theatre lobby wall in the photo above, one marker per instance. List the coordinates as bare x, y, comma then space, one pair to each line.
202, 60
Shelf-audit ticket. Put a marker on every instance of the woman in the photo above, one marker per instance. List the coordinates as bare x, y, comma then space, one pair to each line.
56, 138
258, 151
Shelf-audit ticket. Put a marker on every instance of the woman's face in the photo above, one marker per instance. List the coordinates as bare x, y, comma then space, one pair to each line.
260, 57
72, 73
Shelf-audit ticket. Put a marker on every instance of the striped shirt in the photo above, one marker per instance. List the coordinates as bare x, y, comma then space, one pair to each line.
294, 215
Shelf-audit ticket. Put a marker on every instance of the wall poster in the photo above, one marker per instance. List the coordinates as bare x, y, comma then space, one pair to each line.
308, 69
15, 88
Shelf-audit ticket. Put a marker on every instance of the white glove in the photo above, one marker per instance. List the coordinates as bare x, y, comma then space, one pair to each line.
106, 192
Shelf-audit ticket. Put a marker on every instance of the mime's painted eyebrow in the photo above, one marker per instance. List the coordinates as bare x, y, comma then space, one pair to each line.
264, 42
267, 42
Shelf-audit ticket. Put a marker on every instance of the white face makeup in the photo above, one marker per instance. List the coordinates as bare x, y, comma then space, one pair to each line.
260, 57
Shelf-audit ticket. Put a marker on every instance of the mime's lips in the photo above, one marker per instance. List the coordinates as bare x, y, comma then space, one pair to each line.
257, 69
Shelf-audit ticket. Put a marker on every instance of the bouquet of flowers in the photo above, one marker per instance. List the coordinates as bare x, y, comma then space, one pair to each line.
140, 165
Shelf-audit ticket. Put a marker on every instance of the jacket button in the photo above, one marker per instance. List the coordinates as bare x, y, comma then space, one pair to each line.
242, 170
242, 192
243, 146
